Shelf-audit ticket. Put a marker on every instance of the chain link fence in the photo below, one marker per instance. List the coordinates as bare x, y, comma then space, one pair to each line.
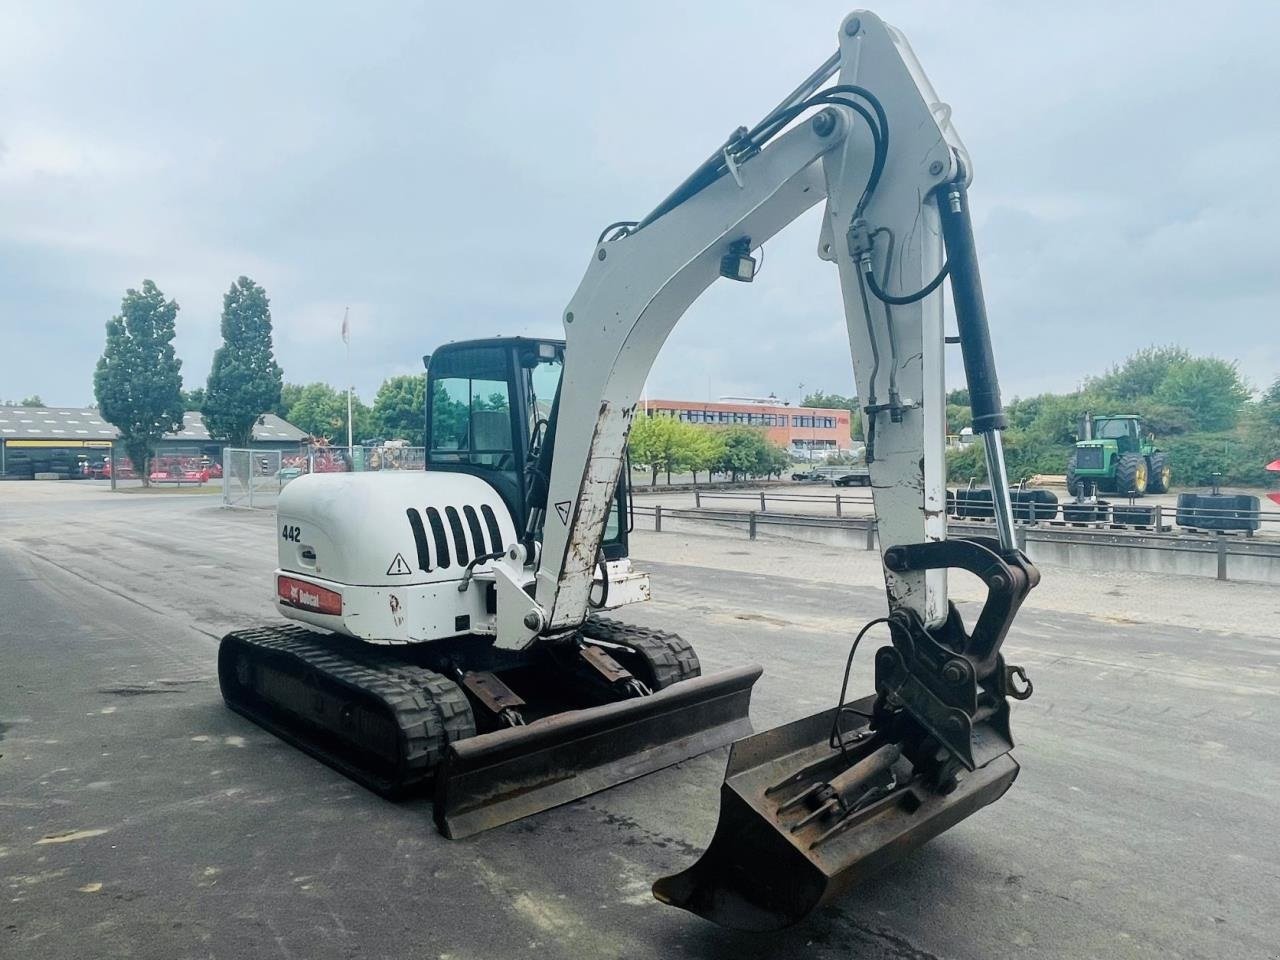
251, 478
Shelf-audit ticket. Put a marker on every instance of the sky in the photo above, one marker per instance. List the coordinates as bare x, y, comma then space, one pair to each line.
443, 170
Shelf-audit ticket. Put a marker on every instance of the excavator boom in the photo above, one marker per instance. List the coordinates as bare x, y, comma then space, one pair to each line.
818, 804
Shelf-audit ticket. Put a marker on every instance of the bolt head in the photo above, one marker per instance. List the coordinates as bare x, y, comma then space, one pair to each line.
568, 317
936, 167
600, 254
953, 673
824, 122
532, 621
852, 27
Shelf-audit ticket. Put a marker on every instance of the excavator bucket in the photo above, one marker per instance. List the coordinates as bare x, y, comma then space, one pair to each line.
784, 844
498, 777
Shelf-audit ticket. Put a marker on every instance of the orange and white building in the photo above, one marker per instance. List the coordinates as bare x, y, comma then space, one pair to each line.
804, 428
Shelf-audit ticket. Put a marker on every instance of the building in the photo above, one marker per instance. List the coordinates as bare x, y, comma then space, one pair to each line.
59, 439
796, 428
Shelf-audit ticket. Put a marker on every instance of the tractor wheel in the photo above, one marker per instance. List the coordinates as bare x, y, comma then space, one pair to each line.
1073, 482
1131, 475
1159, 473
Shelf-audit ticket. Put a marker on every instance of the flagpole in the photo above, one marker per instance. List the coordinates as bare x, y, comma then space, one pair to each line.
346, 336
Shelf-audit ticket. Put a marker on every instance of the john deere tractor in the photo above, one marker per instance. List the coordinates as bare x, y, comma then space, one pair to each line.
1114, 457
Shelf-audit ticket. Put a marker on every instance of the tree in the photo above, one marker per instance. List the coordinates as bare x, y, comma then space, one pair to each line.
138, 380
289, 395
245, 381
1210, 389
651, 442
193, 399
32, 401
321, 411
707, 450
399, 410
1140, 375
748, 454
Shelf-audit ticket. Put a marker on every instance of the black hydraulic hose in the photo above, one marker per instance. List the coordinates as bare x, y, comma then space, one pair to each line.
603, 563
903, 301
714, 167
837, 738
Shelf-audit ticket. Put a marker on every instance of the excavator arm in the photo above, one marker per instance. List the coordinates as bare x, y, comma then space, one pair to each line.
816, 805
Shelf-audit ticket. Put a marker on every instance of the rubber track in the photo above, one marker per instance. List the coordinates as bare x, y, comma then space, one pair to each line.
668, 656
428, 710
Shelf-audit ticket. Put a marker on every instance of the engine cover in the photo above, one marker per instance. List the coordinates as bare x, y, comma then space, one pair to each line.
393, 546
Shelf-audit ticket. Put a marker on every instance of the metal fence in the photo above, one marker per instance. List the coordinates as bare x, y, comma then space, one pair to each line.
1219, 555
251, 478
1158, 517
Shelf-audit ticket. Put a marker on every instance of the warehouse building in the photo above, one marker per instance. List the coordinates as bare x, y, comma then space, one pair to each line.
824, 431
70, 441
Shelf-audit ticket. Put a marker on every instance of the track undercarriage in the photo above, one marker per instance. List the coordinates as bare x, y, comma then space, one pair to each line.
499, 736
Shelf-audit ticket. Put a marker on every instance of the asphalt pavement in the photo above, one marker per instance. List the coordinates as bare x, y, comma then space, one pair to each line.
140, 818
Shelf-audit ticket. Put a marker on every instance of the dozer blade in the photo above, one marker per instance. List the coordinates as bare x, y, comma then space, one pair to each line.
773, 859
498, 777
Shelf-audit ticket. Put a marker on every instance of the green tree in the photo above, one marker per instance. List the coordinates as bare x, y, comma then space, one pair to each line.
748, 454
245, 381
399, 410
1210, 389
138, 380
193, 399
32, 401
707, 450
321, 411
289, 395
1140, 375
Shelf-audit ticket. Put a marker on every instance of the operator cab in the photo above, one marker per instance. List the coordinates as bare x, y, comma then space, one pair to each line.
490, 412
1123, 430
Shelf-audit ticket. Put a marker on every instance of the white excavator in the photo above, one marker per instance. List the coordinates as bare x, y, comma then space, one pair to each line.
447, 623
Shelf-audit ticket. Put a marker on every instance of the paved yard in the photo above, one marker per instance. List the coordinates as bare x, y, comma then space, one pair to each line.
139, 818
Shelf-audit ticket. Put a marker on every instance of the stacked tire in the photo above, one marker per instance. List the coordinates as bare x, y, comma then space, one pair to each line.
1223, 511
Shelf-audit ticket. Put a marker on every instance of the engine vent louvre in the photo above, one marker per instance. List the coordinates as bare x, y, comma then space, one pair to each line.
459, 537
495, 532
437, 533
419, 539
477, 534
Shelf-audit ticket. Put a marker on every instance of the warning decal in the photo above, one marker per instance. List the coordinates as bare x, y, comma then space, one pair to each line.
562, 508
398, 567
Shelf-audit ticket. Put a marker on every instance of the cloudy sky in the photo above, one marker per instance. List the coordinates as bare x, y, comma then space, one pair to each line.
444, 169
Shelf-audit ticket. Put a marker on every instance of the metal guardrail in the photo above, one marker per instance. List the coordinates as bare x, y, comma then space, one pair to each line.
1223, 546
1108, 513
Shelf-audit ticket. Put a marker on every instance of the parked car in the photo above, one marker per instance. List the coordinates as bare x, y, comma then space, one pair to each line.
853, 480
809, 477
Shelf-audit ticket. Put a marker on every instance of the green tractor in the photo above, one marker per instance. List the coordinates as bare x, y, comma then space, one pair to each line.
1114, 457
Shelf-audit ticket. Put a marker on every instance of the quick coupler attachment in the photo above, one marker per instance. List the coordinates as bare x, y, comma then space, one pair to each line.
812, 808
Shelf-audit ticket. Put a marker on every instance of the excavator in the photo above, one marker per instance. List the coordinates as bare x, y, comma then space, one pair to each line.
448, 626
